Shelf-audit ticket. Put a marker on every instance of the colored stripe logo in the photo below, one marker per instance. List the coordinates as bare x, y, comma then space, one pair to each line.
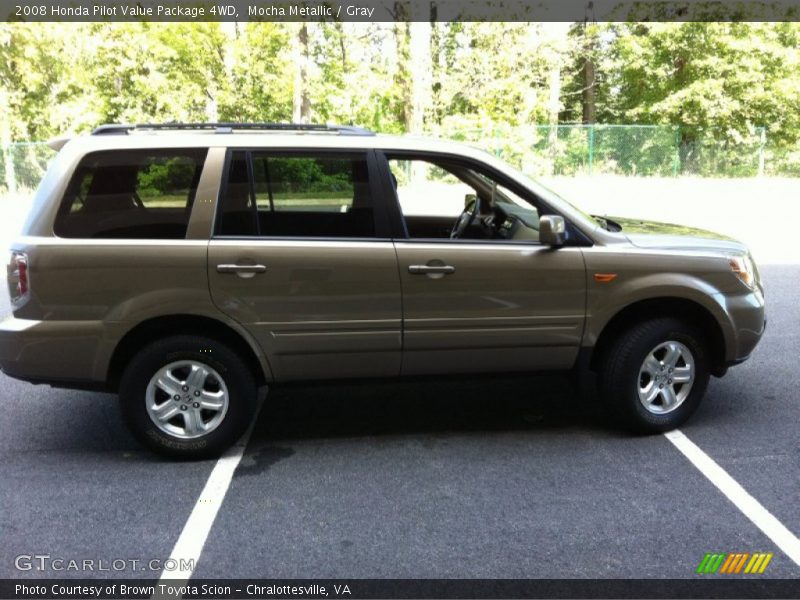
734, 563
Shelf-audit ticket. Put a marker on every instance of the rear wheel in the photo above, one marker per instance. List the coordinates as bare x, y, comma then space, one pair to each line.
187, 397
655, 374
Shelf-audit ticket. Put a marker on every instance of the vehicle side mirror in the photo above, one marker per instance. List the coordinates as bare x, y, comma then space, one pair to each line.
552, 230
470, 200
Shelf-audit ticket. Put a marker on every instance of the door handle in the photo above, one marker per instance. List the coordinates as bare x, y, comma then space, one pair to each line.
431, 269
241, 269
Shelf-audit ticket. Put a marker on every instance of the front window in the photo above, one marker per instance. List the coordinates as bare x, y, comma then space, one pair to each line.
442, 199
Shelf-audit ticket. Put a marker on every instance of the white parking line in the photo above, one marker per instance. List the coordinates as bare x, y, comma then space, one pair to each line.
190, 544
750, 507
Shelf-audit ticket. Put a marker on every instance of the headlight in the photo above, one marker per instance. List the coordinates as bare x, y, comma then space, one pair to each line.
743, 268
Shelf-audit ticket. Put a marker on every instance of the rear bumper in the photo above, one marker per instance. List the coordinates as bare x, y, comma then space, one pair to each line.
57, 352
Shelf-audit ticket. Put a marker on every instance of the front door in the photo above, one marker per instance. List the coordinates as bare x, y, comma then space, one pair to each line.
296, 259
490, 298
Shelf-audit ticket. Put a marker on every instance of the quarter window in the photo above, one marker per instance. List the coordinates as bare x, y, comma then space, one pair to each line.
140, 194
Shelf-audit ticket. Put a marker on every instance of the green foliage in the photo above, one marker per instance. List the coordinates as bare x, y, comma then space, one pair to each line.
352, 79
718, 82
260, 74
711, 86
494, 72
165, 176
292, 176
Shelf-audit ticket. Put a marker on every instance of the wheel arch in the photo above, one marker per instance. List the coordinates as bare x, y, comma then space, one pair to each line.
685, 309
181, 324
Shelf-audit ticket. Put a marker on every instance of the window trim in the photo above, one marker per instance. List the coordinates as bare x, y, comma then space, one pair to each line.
381, 221
399, 228
251, 189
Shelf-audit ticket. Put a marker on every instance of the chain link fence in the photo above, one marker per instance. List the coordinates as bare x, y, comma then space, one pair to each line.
543, 150
635, 150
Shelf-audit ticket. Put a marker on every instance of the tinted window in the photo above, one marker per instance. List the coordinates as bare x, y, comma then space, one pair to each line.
131, 194
301, 195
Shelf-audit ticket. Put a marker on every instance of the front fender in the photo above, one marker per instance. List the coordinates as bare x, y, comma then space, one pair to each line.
606, 300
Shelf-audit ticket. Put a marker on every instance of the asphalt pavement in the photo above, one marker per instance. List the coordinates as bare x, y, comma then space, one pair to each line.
490, 478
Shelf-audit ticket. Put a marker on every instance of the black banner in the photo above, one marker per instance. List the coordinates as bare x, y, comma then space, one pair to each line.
398, 10
74, 589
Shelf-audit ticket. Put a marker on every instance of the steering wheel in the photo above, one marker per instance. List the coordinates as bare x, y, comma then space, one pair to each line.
466, 218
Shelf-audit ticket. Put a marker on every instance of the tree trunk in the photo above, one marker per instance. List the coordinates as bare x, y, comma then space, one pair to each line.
413, 75
436, 66
340, 32
420, 74
212, 112
8, 167
222, 90
301, 101
342, 46
10, 179
553, 108
589, 87
402, 78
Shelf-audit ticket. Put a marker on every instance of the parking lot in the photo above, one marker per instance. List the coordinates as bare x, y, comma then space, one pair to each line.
435, 479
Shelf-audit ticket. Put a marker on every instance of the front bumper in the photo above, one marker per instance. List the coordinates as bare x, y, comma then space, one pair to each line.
747, 320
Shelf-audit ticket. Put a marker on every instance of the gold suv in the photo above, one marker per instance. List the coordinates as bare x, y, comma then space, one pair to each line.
185, 266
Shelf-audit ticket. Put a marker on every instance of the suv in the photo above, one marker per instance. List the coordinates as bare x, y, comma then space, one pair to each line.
186, 266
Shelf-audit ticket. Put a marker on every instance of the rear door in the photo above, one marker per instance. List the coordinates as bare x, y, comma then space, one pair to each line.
302, 258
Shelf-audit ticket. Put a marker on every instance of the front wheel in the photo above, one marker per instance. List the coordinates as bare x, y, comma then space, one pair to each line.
187, 397
655, 374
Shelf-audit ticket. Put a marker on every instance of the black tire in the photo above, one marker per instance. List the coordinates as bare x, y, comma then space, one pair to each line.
619, 377
238, 378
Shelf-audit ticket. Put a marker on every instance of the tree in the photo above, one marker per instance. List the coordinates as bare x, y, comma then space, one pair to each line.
301, 100
403, 77
501, 72
589, 79
717, 81
43, 74
261, 75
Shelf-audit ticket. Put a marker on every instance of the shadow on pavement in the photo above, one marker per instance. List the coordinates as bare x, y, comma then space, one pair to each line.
430, 406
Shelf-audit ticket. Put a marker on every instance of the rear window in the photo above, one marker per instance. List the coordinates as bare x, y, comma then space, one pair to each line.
139, 194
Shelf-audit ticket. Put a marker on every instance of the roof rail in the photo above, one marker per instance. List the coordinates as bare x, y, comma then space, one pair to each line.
123, 129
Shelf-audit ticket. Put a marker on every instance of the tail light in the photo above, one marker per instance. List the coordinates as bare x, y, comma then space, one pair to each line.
18, 276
